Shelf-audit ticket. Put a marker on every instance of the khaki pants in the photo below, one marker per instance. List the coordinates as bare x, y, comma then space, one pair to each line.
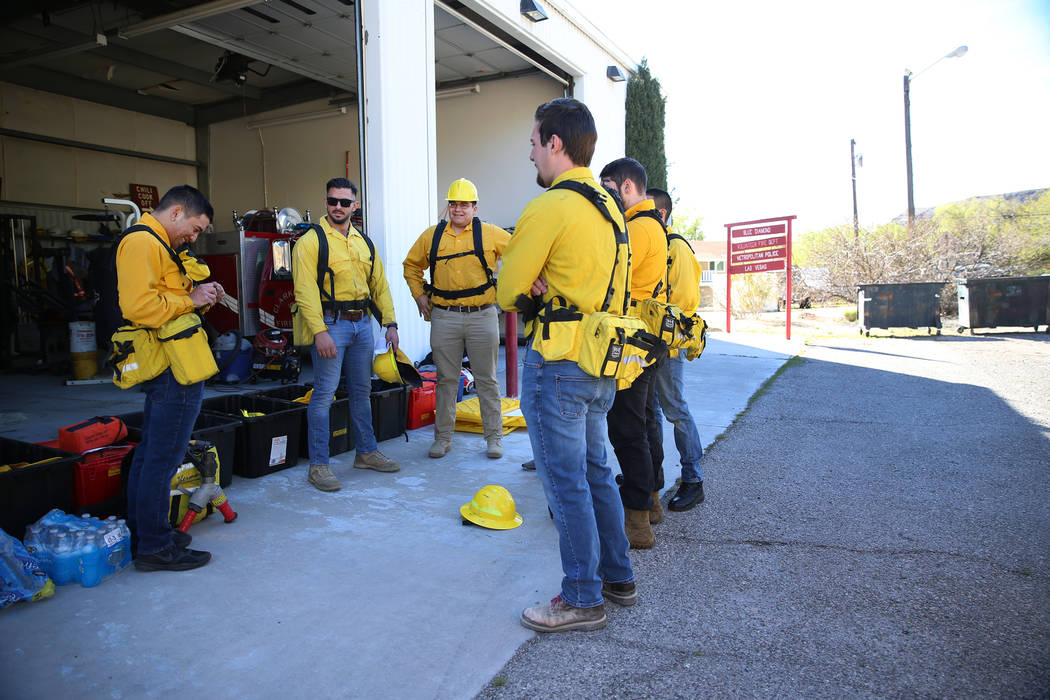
478, 333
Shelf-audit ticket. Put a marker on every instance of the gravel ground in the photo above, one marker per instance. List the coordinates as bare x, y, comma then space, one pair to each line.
877, 524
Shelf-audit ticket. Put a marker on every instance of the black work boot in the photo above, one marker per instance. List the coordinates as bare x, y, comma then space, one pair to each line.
689, 494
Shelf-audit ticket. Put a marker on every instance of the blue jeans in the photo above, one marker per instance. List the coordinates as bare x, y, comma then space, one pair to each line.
671, 400
565, 412
354, 356
167, 420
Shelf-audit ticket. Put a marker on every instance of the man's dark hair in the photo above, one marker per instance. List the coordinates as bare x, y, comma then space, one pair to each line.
623, 169
341, 183
189, 198
661, 199
572, 122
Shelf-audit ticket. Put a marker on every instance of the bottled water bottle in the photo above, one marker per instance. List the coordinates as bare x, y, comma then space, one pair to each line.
84, 549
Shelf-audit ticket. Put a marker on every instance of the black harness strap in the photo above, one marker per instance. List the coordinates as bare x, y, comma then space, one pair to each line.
660, 286
479, 251
328, 300
171, 253
598, 200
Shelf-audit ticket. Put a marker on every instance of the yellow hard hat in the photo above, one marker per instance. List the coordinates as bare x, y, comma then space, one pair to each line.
462, 190
394, 367
492, 507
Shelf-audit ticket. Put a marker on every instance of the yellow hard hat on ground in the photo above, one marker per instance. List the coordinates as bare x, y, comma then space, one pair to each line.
492, 507
462, 190
394, 367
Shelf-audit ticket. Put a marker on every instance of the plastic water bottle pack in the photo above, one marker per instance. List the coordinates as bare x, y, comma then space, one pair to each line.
84, 550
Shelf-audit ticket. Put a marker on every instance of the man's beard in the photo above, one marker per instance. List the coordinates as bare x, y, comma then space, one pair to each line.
334, 218
540, 182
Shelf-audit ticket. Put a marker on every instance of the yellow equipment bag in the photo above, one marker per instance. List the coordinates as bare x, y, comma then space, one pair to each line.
188, 479
684, 332
186, 346
468, 415
616, 346
301, 335
137, 356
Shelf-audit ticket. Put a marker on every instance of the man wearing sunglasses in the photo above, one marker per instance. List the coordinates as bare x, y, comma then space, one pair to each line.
459, 301
342, 330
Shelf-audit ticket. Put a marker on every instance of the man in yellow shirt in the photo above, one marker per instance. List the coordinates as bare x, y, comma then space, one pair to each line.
342, 329
683, 290
459, 301
564, 250
635, 431
153, 290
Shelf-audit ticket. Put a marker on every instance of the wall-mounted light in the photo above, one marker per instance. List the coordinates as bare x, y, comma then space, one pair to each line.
458, 91
614, 74
532, 10
296, 118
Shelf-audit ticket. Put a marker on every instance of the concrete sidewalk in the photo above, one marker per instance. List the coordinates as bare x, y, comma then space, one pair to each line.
377, 590
877, 525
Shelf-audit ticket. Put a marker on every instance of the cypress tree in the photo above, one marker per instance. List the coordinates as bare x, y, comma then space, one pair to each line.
645, 125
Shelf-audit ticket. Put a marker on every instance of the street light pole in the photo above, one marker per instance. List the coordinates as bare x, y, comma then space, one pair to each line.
853, 171
908, 77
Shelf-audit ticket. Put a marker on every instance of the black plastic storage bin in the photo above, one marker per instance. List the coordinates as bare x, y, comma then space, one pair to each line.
28, 493
340, 438
266, 443
216, 428
389, 409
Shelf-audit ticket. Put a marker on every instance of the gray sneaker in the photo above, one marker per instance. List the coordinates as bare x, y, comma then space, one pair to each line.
559, 616
323, 478
375, 460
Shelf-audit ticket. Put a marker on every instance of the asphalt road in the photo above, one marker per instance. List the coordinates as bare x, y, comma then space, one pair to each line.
877, 525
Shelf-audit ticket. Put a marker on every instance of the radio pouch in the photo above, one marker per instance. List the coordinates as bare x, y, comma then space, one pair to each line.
185, 344
136, 356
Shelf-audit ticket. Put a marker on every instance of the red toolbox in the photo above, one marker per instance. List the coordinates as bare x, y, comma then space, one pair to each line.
421, 403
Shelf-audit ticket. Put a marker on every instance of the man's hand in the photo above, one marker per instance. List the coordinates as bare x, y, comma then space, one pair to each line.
539, 287
391, 337
325, 345
207, 294
423, 302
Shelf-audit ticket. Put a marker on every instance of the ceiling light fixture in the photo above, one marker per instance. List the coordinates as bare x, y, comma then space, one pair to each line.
296, 118
458, 91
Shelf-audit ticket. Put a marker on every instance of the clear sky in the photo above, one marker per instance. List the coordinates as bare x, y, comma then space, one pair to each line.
763, 97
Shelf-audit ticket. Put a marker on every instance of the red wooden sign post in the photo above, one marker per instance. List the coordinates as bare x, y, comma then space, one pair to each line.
758, 246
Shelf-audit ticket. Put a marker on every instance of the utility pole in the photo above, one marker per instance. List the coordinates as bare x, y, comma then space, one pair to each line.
907, 148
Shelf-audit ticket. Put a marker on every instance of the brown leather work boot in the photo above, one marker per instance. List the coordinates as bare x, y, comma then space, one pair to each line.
656, 513
639, 531
559, 616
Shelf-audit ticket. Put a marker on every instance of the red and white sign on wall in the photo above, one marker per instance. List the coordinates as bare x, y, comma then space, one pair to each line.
758, 246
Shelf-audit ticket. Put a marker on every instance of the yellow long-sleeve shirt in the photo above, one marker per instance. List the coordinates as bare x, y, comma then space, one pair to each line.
463, 272
683, 277
648, 251
150, 288
350, 260
563, 237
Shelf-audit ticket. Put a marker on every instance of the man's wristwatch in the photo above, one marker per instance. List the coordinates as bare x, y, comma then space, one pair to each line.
392, 325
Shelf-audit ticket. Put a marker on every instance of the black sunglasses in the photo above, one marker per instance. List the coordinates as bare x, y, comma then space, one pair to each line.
345, 203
